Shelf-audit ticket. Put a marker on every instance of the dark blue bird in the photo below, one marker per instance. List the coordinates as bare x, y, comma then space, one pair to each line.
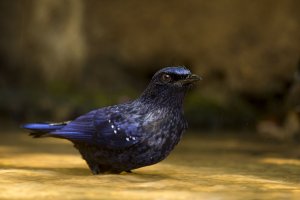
130, 135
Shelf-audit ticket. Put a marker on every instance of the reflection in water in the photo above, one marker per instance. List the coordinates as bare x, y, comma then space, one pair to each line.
203, 167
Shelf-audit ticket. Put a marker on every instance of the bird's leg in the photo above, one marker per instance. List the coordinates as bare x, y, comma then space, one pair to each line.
95, 170
94, 167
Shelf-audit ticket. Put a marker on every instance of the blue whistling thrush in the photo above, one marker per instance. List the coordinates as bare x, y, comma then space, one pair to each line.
130, 135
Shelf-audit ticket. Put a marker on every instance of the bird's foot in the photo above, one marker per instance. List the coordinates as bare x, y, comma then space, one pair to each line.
96, 170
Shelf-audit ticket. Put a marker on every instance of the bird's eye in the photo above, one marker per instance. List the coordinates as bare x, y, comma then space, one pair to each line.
166, 78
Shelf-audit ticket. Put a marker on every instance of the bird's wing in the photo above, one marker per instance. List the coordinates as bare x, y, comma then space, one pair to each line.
104, 128
117, 130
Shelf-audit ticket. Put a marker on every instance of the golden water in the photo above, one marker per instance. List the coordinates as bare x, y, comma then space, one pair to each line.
203, 167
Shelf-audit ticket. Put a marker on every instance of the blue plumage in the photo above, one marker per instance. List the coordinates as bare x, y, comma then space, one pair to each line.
130, 135
39, 129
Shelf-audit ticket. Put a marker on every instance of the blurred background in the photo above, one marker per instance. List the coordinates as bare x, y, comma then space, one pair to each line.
61, 58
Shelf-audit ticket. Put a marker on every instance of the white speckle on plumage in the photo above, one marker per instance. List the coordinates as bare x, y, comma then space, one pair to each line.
133, 138
109, 121
127, 139
112, 126
115, 131
159, 140
118, 128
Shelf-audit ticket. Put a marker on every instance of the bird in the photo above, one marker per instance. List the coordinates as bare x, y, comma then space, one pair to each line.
130, 135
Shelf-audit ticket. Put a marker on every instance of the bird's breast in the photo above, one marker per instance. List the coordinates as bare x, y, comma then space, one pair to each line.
163, 128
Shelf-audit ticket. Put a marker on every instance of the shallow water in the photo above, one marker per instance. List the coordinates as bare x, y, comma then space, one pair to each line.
203, 167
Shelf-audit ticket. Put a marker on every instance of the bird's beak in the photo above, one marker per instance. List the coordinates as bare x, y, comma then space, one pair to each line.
191, 78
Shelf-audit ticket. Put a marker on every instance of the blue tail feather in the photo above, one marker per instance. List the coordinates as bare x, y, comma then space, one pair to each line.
42, 129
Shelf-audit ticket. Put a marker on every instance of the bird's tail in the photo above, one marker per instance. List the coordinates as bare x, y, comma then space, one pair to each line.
42, 129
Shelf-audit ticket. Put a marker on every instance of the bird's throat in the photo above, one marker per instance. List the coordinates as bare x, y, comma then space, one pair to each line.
162, 97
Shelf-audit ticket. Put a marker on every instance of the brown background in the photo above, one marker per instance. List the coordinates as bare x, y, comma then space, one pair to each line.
60, 59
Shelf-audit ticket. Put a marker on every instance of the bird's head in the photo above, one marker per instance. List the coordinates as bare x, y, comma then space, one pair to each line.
175, 77
168, 84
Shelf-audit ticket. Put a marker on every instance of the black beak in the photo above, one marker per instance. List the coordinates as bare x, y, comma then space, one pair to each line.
191, 79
